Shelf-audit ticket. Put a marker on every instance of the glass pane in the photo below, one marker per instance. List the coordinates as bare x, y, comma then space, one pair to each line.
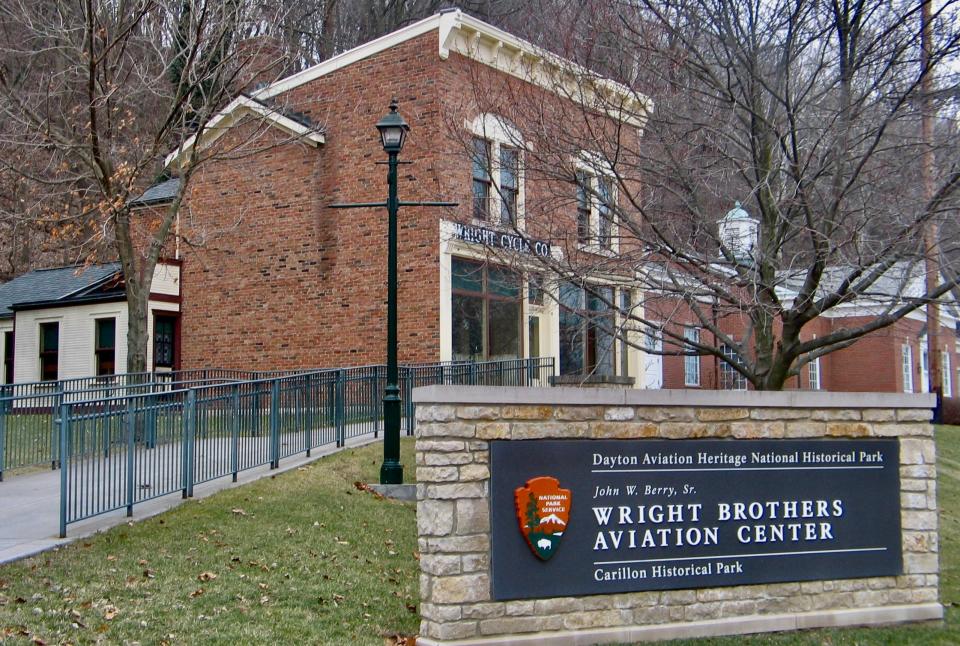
467, 327
106, 333
504, 330
534, 334
50, 337
571, 330
481, 159
508, 167
467, 276
503, 282
481, 200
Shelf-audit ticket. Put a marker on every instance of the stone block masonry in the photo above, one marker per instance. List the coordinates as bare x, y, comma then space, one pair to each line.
455, 427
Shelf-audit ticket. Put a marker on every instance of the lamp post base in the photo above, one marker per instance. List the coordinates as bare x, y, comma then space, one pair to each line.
391, 473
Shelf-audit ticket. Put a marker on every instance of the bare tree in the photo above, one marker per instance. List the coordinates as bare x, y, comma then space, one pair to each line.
808, 113
94, 95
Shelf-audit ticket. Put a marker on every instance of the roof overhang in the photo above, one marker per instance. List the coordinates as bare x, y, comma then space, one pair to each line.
461, 33
239, 108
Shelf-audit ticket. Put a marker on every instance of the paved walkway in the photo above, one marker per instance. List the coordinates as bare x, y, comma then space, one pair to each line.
30, 505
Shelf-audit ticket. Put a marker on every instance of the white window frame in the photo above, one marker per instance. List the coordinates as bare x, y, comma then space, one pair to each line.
906, 367
924, 365
739, 381
813, 373
594, 168
947, 373
499, 132
691, 363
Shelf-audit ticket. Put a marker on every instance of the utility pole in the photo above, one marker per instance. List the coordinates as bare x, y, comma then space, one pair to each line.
931, 232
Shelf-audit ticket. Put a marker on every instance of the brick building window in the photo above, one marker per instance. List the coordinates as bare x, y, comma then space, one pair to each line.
8, 348
497, 171
596, 199
691, 363
481, 179
813, 374
509, 184
730, 378
486, 312
49, 351
583, 208
947, 373
587, 331
906, 367
105, 346
164, 341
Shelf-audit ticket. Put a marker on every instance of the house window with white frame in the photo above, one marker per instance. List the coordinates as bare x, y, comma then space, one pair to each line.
906, 367
587, 331
691, 362
497, 171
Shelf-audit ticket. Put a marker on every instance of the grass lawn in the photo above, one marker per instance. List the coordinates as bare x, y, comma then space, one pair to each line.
300, 558
307, 558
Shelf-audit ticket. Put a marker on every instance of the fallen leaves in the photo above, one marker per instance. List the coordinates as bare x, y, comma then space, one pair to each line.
238, 511
110, 612
363, 486
206, 576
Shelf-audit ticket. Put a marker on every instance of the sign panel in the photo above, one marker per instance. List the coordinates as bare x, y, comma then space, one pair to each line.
579, 517
500, 240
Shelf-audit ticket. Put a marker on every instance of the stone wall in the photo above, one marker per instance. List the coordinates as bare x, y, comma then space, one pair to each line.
456, 424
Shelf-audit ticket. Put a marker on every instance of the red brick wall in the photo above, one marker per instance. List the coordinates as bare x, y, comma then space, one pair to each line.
286, 282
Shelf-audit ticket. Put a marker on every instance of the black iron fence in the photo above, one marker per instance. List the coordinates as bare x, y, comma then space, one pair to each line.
163, 437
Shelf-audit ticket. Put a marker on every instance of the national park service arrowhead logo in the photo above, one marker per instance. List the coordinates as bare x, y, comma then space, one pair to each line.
543, 511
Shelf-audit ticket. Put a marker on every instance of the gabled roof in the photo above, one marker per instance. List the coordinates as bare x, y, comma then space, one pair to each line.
293, 123
53, 286
477, 40
158, 193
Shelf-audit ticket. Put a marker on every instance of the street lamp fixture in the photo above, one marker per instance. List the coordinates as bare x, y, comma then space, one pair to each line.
393, 133
393, 130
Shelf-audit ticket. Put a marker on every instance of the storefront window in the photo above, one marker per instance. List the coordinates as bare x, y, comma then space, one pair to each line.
586, 330
486, 304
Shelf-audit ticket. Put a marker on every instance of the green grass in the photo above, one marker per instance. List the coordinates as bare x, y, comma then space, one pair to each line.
306, 558
303, 557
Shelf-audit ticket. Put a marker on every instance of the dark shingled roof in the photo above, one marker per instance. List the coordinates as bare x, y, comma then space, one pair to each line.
159, 193
56, 284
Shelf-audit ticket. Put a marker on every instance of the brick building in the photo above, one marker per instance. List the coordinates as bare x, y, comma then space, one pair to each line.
283, 281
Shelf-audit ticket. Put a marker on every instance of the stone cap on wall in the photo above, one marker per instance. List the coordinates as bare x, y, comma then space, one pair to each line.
511, 395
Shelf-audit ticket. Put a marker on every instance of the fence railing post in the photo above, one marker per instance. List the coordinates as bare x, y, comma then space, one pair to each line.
274, 423
189, 431
339, 411
310, 417
235, 433
408, 400
64, 466
5, 393
131, 421
54, 431
375, 400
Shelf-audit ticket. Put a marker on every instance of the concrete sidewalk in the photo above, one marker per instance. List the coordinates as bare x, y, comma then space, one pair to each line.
30, 505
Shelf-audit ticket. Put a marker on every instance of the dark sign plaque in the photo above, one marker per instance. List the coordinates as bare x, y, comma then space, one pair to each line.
661, 514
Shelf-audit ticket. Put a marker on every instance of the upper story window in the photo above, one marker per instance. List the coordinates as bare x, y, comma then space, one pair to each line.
497, 171
596, 205
481, 179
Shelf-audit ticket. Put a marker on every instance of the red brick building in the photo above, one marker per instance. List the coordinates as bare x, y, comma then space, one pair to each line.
281, 280
273, 278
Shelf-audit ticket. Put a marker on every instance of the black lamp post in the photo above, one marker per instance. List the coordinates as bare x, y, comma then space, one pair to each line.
393, 133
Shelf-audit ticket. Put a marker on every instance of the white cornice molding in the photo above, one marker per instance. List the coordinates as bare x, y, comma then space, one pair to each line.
238, 108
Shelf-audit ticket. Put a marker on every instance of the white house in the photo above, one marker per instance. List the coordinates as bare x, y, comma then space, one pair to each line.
71, 322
